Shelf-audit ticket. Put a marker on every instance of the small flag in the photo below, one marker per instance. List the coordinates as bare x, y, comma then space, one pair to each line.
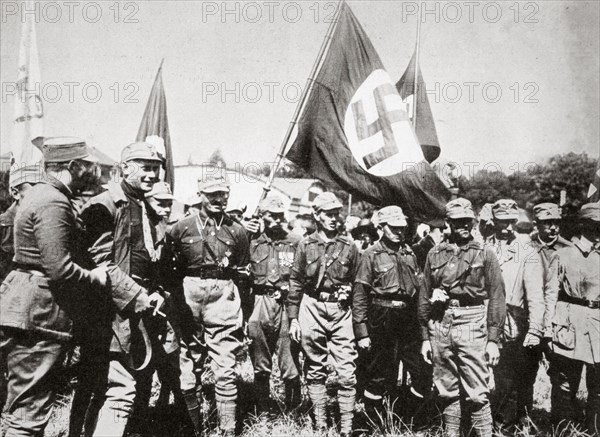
355, 133
29, 110
594, 190
425, 126
155, 126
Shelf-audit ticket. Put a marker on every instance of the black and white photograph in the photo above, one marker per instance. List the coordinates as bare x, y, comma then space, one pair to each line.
310, 218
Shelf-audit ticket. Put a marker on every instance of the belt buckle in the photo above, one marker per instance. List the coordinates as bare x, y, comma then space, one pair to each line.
399, 304
454, 303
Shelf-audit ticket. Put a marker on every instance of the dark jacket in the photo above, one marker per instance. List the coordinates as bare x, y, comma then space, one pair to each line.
7, 242
49, 288
107, 223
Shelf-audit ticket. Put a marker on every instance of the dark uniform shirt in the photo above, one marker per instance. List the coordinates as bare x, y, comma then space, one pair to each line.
384, 273
7, 242
320, 265
201, 242
446, 263
272, 259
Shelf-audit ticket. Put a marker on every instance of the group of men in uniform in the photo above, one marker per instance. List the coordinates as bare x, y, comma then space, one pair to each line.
140, 295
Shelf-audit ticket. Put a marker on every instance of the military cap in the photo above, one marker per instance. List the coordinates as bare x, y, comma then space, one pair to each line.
590, 211
391, 215
140, 151
326, 201
272, 203
213, 180
459, 208
505, 209
64, 149
161, 190
546, 211
485, 215
20, 175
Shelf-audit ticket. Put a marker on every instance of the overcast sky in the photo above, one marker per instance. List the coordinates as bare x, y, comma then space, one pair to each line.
233, 70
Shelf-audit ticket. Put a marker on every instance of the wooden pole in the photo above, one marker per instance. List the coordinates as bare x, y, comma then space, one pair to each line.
416, 73
303, 98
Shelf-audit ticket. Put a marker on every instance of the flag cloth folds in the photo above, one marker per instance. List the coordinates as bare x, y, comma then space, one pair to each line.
594, 190
155, 126
425, 126
28, 122
355, 133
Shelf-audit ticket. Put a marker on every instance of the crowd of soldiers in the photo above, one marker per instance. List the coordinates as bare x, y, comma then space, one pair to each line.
467, 319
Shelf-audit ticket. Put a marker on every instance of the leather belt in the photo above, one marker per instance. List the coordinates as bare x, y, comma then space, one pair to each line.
208, 273
594, 304
268, 290
461, 300
388, 303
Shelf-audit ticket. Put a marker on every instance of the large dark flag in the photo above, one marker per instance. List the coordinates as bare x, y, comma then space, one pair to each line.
354, 131
425, 126
155, 126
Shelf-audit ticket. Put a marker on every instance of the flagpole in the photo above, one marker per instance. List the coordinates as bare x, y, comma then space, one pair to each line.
303, 98
350, 204
416, 73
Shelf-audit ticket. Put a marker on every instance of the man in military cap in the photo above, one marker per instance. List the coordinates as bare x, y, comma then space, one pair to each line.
121, 236
47, 291
272, 256
318, 307
576, 323
213, 254
546, 239
460, 332
523, 274
387, 286
21, 179
364, 234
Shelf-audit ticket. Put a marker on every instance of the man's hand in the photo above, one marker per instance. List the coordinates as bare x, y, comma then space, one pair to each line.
156, 303
492, 354
152, 302
531, 340
439, 295
295, 332
100, 276
252, 226
364, 344
426, 352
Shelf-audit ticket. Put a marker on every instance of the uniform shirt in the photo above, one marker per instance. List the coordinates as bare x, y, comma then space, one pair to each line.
272, 259
340, 256
446, 263
384, 273
550, 264
227, 240
579, 270
523, 273
7, 242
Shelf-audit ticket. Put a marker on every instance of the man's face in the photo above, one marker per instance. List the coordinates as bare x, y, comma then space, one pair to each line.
85, 176
395, 234
461, 228
548, 230
162, 207
504, 229
328, 220
273, 220
140, 174
216, 202
590, 229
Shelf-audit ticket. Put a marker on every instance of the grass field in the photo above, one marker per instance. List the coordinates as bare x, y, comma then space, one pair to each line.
300, 425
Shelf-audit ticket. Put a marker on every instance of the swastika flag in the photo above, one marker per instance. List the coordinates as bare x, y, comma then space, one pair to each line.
594, 190
355, 132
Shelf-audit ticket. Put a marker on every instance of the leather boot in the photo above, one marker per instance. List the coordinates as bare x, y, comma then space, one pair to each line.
262, 393
226, 410
346, 401
293, 394
193, 409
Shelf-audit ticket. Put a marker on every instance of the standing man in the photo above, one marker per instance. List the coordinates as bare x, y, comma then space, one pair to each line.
546, 239
460, 333
576, 336
318, 307
523, 273
213, 254
386, 290
272, 256
21, 179
120, 236
45, 294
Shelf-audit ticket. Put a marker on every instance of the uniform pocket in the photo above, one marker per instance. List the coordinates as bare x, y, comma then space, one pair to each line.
386, 277
259, 260
45, 312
